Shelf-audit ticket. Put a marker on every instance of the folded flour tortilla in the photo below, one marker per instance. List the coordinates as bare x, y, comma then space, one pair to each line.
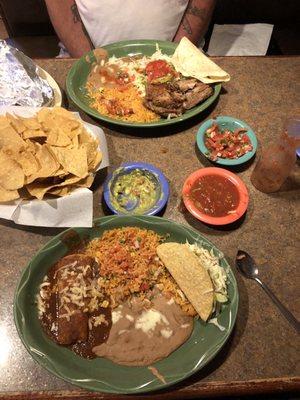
192, 62
191, 277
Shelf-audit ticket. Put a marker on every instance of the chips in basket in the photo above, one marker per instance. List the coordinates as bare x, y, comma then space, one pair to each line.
48, 154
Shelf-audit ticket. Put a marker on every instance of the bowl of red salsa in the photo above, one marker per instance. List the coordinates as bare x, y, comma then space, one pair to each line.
226, 141
215, 196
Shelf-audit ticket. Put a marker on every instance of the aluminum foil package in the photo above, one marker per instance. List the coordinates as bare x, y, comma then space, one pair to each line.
20, 83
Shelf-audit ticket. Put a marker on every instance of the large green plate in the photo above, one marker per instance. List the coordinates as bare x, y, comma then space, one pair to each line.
100, 374
78, 74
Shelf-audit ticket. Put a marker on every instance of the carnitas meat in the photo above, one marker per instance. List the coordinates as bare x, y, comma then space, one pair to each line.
173, 98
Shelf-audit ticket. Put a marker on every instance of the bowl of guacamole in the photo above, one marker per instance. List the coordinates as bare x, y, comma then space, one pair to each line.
136, 188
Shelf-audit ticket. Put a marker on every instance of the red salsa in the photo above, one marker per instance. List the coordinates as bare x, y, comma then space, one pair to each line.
215, 195
159, 69
227, 144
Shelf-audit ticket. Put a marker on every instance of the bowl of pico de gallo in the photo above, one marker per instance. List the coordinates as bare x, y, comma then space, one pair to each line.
226, 141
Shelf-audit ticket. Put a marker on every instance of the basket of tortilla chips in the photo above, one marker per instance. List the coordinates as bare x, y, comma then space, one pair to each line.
50, 153
48, 161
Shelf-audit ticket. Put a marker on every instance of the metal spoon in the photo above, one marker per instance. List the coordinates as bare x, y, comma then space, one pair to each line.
246, 265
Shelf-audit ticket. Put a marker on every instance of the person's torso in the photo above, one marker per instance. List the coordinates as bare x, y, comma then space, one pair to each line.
108, 21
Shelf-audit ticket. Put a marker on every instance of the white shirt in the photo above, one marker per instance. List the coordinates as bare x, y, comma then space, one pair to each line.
109, 21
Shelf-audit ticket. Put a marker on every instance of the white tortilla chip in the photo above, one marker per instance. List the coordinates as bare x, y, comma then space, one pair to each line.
192, 62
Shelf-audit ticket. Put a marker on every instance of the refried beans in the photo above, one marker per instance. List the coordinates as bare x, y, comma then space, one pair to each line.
144, 332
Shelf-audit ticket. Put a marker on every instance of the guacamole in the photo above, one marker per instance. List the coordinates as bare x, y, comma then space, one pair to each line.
134, 191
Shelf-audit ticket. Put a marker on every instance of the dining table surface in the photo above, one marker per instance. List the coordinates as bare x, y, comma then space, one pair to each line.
262, 353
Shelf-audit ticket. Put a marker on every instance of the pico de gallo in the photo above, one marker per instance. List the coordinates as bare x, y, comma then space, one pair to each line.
226, 143
159, 71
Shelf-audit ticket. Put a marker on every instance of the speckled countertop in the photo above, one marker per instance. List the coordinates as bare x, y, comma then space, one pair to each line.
263, 346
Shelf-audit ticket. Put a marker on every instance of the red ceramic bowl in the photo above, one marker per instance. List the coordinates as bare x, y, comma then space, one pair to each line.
239, 184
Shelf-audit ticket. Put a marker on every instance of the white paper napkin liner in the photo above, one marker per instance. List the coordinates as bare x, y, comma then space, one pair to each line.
76, 210
240, 40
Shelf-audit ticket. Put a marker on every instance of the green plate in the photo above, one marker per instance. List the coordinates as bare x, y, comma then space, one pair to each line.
100, 374
79, 72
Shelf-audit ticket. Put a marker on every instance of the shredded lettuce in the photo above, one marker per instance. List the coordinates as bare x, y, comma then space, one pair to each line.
216, 272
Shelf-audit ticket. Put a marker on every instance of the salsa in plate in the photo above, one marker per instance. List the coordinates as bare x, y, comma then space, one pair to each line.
227, 143
215, 195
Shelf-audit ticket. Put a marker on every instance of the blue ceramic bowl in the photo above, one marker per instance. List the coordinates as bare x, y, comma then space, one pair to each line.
163, 187
231, 124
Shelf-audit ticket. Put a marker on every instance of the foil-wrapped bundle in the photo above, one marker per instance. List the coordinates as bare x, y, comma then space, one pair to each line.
20, 83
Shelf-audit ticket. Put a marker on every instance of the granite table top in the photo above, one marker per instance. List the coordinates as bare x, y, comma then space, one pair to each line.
262, 354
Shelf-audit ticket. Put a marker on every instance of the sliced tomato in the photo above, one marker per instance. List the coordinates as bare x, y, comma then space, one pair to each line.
227, 144
158, 69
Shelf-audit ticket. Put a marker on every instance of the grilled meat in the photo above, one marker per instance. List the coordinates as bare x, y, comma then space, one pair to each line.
163, 99
174, 97
186, 84
199, 93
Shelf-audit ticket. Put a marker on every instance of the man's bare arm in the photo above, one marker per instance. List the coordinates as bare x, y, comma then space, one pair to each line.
195, 21
67, 23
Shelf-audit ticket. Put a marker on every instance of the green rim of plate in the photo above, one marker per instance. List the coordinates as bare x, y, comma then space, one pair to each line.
100, 374
78, 74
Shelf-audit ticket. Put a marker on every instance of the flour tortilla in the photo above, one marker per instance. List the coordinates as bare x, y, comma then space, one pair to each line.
192, 62
191, 277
